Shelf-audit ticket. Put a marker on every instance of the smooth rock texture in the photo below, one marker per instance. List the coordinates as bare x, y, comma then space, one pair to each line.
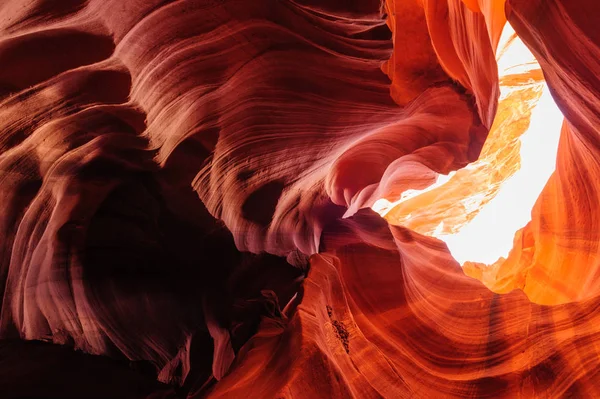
185, 190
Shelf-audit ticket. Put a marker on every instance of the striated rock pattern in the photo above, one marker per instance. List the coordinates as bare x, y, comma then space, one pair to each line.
185, 190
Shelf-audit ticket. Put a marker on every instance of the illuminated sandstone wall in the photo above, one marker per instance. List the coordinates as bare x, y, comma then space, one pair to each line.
185, 190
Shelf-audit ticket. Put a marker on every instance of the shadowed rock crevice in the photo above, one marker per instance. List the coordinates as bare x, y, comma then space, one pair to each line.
195, 206
259, 207
52, 52
340, 330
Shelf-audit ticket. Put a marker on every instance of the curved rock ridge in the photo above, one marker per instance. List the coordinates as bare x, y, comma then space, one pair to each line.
478, 209
458, 199
416, 327
184, 188
554, 258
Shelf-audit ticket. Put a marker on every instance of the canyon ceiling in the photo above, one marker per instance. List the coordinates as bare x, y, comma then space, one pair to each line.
188, 197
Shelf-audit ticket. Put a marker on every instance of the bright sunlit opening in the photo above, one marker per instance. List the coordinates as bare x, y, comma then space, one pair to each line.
480, 225
489, 235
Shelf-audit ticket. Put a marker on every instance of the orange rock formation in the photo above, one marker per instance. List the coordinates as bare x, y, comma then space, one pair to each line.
186, 192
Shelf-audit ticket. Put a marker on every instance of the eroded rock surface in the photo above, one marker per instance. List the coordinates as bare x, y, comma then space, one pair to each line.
185, 190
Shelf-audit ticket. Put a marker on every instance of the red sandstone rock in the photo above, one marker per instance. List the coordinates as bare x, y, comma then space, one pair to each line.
183, 188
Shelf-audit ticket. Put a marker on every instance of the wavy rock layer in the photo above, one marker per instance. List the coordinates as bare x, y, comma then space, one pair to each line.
183, 187
555, 259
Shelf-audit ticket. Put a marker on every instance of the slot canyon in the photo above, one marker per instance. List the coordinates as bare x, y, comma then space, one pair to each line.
299, 199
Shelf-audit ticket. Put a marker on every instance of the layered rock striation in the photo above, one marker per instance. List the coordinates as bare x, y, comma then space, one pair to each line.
186, 189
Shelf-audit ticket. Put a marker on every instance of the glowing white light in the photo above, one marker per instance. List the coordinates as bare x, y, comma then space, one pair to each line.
489, 235
383, 206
